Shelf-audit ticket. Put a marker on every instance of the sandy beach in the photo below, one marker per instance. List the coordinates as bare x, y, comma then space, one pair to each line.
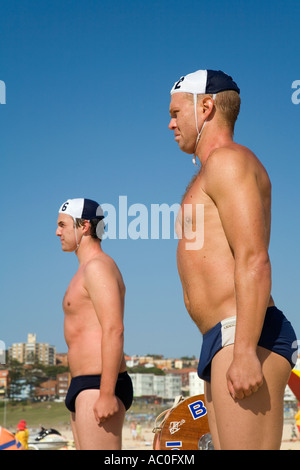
289, 443
145, 441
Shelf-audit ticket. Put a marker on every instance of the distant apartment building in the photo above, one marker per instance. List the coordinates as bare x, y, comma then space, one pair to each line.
63, 382
3, 382
196, 385
46, 390
161, 362
150, 385
173, 386
54, 388
62, 359
33, 352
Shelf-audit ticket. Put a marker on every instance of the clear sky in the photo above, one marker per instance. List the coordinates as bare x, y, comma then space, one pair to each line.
86, 115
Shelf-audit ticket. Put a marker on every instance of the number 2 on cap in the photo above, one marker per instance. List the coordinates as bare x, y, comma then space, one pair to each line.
178, 83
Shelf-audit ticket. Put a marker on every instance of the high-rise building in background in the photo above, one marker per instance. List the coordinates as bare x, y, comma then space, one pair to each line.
33, 352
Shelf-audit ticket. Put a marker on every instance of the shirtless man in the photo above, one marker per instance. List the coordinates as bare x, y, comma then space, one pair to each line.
93, 327
227, 280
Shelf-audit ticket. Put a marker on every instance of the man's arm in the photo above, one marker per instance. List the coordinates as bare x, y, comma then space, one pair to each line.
231, 183
104, 291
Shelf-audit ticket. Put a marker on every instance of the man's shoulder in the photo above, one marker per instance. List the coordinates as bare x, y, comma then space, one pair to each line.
102, 271
229, 167
232, 155
230, 161
100, 264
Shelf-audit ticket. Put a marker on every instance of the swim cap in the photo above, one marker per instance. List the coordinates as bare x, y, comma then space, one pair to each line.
82, 209
86, 209
205, 82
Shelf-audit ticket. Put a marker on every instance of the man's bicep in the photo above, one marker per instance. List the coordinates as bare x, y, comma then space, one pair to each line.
104, 292
238, 200
242, 215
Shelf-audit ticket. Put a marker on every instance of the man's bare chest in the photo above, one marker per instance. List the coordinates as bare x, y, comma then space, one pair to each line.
195, 202
76, 295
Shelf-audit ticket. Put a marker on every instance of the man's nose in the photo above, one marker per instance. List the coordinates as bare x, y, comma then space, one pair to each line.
172, 124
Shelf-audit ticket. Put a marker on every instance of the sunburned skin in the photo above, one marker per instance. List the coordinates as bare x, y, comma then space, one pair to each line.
207, 274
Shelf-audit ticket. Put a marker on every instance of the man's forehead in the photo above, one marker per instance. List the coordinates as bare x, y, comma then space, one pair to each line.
64, 218
179, 99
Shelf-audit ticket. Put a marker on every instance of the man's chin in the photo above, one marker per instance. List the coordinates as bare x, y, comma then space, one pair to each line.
67, 250
185, 149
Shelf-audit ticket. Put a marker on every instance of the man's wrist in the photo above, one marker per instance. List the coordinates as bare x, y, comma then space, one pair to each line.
242, 350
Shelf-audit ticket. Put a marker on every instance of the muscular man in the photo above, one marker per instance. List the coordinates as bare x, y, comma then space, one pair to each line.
101, 390
247, 349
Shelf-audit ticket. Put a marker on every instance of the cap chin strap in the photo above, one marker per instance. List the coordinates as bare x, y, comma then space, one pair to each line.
203, 125
76, 238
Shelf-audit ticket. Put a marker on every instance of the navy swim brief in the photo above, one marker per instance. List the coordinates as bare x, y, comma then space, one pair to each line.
124, 389
277, 335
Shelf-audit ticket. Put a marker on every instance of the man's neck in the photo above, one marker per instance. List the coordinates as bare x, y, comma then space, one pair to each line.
88, 249
213, 137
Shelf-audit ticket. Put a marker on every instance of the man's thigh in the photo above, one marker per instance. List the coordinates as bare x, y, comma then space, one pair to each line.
92, 436
256, 421
73, 425
211, 416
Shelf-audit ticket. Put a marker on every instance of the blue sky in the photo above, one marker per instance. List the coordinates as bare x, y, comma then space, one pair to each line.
86, 115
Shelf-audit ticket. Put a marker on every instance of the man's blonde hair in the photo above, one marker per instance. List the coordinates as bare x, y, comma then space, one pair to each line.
227, 104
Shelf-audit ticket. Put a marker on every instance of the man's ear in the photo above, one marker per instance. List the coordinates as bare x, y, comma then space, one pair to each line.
207, 108
86, 227
207, 105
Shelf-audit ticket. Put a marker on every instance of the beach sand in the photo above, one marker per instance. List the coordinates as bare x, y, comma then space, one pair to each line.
287, 442
129, 443
145, 442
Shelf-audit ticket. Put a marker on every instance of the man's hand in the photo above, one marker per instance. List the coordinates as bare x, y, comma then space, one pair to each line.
244, 376
105, 407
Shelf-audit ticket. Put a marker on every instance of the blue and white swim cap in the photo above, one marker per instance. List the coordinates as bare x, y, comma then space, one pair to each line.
205, 82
